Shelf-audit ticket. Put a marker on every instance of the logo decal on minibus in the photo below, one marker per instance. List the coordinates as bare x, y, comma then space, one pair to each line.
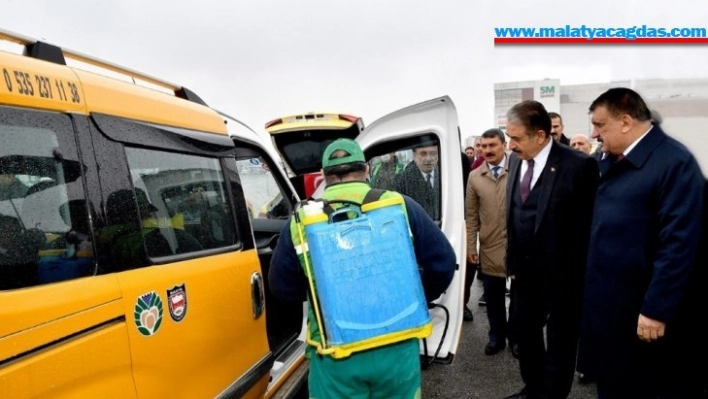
148, 313
177, 302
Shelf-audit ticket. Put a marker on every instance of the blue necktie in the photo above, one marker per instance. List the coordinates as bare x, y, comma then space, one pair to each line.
495, 170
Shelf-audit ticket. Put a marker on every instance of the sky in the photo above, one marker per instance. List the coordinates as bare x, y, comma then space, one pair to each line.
260, 60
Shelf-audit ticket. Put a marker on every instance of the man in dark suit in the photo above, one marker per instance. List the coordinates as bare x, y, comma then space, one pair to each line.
638, 336
557, 129
550, 194
420, 180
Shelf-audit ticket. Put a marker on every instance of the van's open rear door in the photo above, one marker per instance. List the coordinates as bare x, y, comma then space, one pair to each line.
430, 124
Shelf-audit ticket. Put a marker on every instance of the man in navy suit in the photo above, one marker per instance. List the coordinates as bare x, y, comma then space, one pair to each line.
550, 194
640, 307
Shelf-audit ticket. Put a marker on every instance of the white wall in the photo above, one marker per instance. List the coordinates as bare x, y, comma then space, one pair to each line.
692, 133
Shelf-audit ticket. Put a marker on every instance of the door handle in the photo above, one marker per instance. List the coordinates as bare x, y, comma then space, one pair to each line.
257, 295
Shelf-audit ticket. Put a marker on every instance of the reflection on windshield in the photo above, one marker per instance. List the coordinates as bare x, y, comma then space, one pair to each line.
44, 236
263, 194
418, 178
182, 202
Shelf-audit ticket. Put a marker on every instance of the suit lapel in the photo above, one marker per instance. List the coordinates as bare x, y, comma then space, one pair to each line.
549, 176
437, 193
514, 166
431, 194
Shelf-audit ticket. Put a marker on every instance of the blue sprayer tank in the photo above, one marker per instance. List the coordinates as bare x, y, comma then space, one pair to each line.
366, 275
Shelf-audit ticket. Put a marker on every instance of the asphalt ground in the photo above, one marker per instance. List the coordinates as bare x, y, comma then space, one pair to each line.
472, 374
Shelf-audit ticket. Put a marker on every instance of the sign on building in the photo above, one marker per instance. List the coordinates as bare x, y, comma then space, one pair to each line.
547, 92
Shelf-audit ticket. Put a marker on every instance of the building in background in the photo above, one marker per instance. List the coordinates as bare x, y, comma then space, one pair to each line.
682, 104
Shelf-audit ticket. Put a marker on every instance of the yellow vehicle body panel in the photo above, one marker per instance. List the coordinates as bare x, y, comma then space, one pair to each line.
27, 82
74, 303
94, 365
58, 329
257, 391
78, 335
213, 351
113, 97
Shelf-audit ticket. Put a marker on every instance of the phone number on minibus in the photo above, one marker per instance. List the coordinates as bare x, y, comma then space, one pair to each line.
23, 83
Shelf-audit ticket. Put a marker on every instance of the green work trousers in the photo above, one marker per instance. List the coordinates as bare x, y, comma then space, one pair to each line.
387, 372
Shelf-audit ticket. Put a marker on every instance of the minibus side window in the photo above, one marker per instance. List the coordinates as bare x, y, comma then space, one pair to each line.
263, 194
45, 235
183, 205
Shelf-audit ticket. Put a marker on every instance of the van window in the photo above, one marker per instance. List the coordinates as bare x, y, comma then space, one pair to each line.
301, 139
45, 234
182, 201
411, 167
263, 194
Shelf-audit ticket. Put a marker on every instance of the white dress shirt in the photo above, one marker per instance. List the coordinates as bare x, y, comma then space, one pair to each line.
501, 165
432, 177
539, 162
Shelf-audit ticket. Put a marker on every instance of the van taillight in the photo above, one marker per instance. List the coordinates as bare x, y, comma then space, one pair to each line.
348, 118
273, 122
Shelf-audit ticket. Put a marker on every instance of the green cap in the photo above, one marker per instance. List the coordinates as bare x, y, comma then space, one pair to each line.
351, 147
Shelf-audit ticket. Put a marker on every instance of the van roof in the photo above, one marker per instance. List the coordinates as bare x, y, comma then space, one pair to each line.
40, 78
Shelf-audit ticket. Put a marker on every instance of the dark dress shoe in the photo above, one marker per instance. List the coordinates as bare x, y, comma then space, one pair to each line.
514, 350
493, 347
467, 315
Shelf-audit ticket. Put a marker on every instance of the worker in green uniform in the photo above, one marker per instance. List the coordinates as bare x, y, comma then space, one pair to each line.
389, 371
